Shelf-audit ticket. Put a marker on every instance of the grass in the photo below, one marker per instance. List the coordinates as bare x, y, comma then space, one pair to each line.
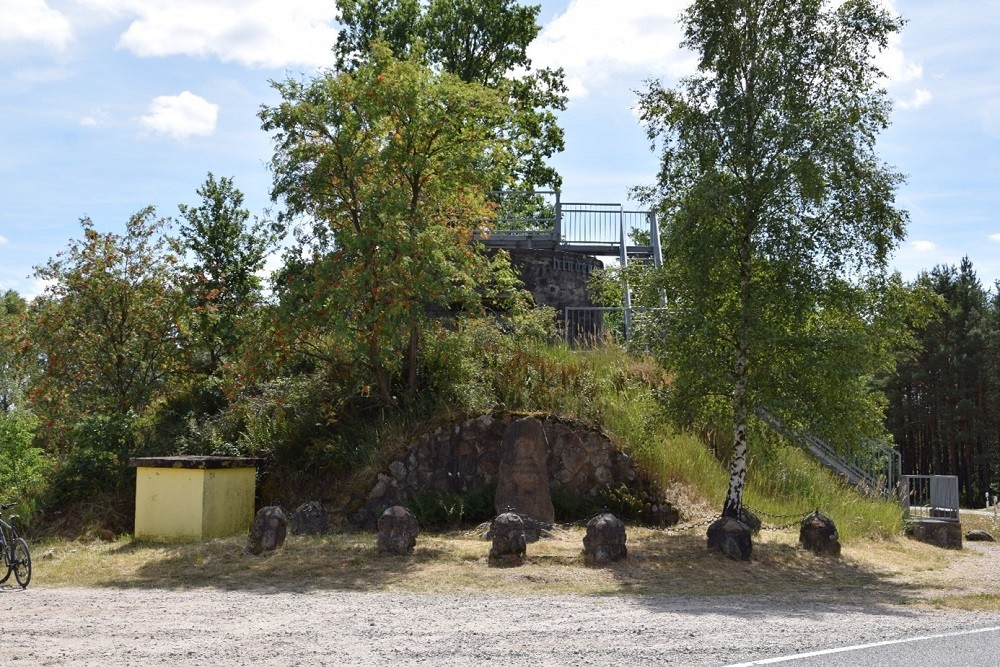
783, 482
611, 389
977, 602
660, 562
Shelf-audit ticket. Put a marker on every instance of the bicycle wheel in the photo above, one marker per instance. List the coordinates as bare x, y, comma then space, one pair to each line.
22, 562
4, 562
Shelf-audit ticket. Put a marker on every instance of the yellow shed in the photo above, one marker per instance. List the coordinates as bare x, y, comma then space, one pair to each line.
191, 498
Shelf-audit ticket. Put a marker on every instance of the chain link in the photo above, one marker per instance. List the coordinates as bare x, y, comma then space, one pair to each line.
798, 518
681, 528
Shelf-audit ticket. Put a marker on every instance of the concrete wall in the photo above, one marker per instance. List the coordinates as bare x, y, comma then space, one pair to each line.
168, 504
228, 502
189, 504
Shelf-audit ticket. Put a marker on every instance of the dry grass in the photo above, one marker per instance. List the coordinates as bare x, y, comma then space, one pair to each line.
658, 563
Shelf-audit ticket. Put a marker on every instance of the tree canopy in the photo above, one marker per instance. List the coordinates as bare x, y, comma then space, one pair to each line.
226, 251
393, 162
16, 364
110, 325
478, 41
778, 217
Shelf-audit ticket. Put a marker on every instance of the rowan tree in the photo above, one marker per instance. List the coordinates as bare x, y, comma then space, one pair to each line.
479, 41
393, 163
109, 327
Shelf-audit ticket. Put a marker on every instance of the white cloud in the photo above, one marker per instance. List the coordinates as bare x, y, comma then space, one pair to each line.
896, 66
923, 246
259, 33
98, 118
3, 240
921, 97
37, 288
181, 116
995, 238
33, 21
594, 40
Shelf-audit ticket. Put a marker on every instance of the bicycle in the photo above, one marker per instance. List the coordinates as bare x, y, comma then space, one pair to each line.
16, 556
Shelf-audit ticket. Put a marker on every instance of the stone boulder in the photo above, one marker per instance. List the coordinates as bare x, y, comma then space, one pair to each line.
533, 530
270, 526
310, 518
522, 480
397, 531
818, 533
509, 544
605, 540
732, 537
979, 536
939, 532
751, 520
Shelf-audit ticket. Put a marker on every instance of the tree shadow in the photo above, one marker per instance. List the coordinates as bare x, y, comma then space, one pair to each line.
781, 578
663, 570
303, 564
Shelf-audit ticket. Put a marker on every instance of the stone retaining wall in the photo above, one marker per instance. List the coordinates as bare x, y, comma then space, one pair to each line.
466, 456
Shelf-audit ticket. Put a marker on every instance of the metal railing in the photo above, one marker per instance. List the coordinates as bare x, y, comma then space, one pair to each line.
929, 497
521, 212
878, 472
593, 326
540, 217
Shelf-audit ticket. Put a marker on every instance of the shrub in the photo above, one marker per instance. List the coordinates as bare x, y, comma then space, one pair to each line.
22, 465
98, 461
443, 511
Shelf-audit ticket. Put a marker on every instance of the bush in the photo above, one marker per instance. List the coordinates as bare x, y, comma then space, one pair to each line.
571, 506
22, 465
98, 461
443, 511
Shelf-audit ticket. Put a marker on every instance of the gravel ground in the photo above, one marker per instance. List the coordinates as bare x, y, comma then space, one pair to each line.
102, 626
200, 627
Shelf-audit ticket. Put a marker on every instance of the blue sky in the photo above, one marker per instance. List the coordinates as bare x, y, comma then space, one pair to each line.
107, 106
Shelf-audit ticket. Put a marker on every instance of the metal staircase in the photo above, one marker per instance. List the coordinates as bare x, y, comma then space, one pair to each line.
879, 475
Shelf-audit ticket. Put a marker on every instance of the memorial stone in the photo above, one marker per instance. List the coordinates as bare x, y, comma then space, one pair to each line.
522, 484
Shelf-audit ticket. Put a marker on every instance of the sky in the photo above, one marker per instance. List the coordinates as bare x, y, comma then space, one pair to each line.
109, 106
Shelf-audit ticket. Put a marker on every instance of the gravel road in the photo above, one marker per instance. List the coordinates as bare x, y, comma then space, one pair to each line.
92, 626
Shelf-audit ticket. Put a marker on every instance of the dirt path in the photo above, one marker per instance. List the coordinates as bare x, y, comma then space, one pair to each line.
106, 626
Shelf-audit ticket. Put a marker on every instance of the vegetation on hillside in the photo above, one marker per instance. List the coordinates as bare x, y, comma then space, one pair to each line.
778, 217
387, 318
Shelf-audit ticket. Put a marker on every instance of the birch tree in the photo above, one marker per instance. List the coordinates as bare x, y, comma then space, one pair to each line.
778, 216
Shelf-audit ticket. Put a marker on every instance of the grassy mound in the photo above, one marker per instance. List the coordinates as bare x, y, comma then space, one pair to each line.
614, 390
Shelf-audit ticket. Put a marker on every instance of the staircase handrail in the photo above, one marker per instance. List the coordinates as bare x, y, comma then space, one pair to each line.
837, 460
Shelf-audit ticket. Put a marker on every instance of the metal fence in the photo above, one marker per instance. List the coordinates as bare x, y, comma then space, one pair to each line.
526, 211
579, 224
593, 326
603, 224
873, 467
929, 497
